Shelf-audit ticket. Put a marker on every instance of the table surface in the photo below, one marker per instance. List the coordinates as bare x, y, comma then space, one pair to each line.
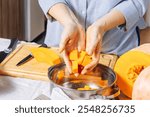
26, 89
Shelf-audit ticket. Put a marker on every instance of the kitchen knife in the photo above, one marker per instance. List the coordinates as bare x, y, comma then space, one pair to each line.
11, 47
29, 57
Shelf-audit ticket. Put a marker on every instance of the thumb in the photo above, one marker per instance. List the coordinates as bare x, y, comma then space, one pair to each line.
91, 46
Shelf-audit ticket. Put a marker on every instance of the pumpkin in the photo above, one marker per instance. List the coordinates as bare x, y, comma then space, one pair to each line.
141, 87
87, 59
79, 60
86, 87
73, 55
75, 66
45, 55
82, 54
128, 67
60, 75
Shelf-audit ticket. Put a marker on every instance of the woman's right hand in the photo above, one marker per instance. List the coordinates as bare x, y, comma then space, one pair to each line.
73, 37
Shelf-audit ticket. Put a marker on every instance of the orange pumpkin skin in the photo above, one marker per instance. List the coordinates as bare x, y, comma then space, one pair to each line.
141, 88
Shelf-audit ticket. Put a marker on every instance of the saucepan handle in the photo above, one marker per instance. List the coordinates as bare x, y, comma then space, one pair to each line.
99, 95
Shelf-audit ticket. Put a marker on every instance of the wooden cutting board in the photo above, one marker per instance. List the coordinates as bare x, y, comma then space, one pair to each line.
33, 69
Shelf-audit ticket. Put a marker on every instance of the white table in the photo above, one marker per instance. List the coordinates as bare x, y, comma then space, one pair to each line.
24, 89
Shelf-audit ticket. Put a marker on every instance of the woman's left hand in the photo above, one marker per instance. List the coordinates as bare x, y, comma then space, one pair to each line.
95, 32
94, 37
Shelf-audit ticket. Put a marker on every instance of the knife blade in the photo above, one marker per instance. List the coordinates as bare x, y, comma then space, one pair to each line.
28, 57
11, 47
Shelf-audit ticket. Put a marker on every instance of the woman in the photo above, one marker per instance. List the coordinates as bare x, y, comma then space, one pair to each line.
107, 26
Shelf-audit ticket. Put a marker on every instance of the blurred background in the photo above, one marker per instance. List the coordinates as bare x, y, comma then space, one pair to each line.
23, 19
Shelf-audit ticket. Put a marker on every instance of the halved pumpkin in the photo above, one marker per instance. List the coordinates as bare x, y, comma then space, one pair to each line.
141, 87
128, 67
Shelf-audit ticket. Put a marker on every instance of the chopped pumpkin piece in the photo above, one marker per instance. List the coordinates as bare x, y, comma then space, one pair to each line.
86, 87
87, 59
81, 57
103, 83
60, 74
75, 66
73, 55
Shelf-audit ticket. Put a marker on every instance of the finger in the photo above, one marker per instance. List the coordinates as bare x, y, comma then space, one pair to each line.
91, 47
96, 57
75, 43
92, 41
63, 42
87, 39
67, 61
97, 50
81, 45
82, 41
89, 67
71, 44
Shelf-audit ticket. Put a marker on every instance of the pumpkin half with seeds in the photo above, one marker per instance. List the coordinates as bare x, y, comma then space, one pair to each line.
128, 67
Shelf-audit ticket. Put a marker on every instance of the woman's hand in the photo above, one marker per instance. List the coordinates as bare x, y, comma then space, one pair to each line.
95, 32
94, 36
73, 37
73, 34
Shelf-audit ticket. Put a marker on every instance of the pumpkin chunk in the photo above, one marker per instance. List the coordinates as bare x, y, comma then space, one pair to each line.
73, 55
81, 57
75, 66
60, 74
82, 60
103, 83
87, 59
85, 88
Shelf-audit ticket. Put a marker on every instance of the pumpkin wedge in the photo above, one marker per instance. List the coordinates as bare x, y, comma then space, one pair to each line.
46, 55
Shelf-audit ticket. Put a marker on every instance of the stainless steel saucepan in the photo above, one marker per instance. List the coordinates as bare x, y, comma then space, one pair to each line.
101, 83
